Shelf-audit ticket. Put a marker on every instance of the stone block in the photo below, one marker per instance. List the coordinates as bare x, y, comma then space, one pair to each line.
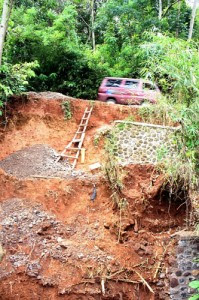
174, 282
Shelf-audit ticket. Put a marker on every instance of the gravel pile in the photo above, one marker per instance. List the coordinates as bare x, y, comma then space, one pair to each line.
37, 160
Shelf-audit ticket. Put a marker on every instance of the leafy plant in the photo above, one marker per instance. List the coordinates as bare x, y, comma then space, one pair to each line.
96, 140
174, 64
159, 113
66, 106
130, 118
14, 80
194, 285
162, 153
113, 170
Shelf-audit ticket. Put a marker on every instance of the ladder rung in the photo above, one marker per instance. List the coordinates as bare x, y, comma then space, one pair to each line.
76, 140
70, 148
70, 156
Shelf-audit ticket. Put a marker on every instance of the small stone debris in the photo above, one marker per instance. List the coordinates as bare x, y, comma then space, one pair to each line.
107, 225
19, 164
95, 166
94, 193
174, 282
160, 283
80, 255
33, 269
162, 275
64, 243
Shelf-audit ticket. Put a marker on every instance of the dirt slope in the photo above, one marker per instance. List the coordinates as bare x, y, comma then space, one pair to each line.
59, 243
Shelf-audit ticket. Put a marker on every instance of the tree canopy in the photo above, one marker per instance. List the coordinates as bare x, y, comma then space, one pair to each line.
58, 36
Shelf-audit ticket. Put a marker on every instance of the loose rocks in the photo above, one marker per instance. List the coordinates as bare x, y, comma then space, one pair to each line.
38, 160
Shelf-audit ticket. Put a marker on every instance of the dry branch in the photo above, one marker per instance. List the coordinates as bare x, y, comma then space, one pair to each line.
46, 177
160, 262
145, 282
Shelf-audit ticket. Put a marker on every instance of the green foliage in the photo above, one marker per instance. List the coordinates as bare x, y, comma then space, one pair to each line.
159, 113
162, 153
113, 171
66, 106
96, 141
174, 64
58, 35
52, 39
182, 169
194, 285
190, 134
14, 79
194, 297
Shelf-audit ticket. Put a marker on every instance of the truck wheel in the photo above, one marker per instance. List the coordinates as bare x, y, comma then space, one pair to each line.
144, 103
111, 101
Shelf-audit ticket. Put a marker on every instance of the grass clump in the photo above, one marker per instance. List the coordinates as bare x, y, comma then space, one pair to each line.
114, 171
115, 175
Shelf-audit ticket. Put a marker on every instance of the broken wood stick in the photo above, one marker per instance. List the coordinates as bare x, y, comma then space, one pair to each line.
83, 153
46, 177
144, 282
103, 286
160, 262
125, 280
116, 273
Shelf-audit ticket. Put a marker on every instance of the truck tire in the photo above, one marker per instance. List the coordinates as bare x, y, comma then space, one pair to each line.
111, 101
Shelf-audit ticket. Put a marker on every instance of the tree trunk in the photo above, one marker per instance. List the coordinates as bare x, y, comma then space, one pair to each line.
178, 18
193, 15
7, 7
160, 10
92, 23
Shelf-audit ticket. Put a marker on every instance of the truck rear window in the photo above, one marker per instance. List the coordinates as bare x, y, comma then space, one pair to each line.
113, 82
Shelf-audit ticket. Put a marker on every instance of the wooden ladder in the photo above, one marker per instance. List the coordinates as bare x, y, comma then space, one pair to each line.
72, 151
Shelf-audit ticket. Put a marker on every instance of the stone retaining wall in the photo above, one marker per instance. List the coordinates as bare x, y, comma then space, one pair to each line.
187, 268
142, 143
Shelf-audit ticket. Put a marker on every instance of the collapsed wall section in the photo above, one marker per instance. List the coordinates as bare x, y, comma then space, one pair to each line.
141, 143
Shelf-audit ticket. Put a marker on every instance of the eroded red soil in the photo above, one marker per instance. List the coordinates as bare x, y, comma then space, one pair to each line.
61, 245
41, 121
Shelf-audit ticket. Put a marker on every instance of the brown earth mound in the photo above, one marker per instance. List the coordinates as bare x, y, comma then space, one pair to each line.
59, 243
